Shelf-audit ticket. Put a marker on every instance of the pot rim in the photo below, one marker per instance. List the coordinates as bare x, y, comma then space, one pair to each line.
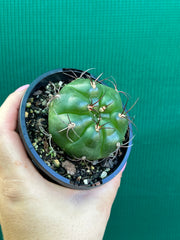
36, 159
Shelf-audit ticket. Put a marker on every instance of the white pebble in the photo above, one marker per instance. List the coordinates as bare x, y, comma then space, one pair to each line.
85, 181
103, 174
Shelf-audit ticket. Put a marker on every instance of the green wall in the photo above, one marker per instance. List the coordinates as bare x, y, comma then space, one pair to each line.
138, 42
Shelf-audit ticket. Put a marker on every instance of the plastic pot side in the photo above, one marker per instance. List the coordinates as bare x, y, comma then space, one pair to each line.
43, 168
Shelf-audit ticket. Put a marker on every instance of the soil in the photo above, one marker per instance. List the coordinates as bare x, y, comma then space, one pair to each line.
79, 172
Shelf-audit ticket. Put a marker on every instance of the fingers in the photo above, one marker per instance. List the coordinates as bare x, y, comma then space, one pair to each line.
9, 110
101, 197
114, 185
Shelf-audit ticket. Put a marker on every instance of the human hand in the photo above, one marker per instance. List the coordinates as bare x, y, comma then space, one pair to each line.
32, 207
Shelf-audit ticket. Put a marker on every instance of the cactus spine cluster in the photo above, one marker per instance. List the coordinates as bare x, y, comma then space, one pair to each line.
86, 119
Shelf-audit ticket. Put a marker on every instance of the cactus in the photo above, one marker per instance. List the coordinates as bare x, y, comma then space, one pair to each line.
87, 120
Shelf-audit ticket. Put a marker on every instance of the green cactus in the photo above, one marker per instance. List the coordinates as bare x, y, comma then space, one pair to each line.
87, 120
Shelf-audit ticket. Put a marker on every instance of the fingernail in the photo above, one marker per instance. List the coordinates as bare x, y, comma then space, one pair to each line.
22, 88
122, 170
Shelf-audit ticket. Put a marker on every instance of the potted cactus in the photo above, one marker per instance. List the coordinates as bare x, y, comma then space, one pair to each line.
75, 128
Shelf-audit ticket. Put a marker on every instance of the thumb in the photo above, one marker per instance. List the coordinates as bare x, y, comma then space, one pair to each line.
14, 162
10, 108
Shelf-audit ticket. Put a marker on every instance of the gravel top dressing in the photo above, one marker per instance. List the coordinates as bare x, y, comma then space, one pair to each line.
78, 171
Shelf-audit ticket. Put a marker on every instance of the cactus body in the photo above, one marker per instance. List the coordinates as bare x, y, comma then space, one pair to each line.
85, 121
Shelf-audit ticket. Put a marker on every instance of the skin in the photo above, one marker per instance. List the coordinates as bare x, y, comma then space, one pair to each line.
32, 207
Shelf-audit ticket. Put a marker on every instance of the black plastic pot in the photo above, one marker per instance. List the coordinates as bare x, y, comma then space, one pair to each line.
43, 168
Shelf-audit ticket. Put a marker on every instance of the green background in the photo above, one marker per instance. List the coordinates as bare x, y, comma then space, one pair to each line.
138, 42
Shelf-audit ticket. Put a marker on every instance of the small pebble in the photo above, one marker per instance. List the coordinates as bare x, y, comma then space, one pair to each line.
56, 163
92, 167
95, 162
97, 183
70, 167
31, 99
103, 174
108, 169
44, 103
37, 103
78, 178
60, 83
111, 155
38, 92
85, 181
109, 164
28, 104
26, 114
45, 110
48, 163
